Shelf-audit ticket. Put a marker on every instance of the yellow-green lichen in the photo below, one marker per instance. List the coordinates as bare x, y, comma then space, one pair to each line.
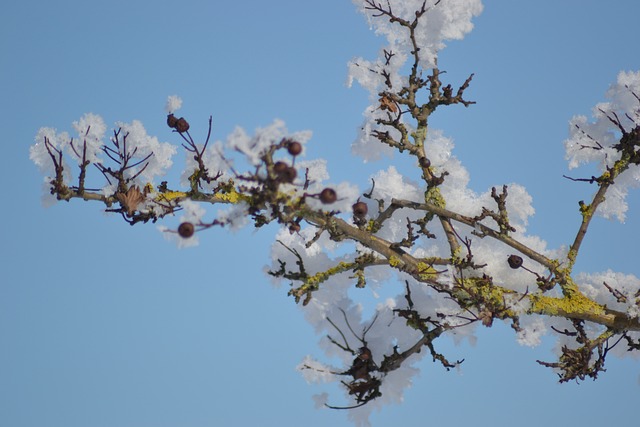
362, 281
481, 293
316, 279
434, 196
168, 196
394, 261
312, 283
576, 305
619, 166
585, 210
372, 226
456, 258
419, 135
230, 196
483, 287
426, 271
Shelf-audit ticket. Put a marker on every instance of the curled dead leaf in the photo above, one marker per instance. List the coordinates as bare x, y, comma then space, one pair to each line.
386, 103
131, 199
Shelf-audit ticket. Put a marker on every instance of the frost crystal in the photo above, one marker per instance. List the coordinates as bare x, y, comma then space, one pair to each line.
138, 141
214, 162
531, 333
316, 372
91, 129
595, 140
174, 103
615, 290
38, 152
254, 147
444, 20
193, 211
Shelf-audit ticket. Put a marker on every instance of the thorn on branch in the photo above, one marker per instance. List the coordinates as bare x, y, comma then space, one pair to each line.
589, 180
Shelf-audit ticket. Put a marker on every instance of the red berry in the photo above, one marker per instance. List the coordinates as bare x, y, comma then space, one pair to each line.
289, 175
328, 196
294, 228
285, 172
186, 230
280, 167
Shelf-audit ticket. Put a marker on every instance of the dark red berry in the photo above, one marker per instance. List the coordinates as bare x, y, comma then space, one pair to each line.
328, 196
364, 353
294, 228
294, 148
182, 125
186, 230
284, 172
171, 121
514, 261
280, 167
360, 209
424, 162
289, 175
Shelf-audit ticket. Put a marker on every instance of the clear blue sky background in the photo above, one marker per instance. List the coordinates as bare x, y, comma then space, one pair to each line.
103, 324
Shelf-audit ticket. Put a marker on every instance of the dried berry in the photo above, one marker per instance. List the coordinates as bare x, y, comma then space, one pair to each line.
182, 125
171, 121
328, 196
365, 353
186, 230
284, 172
294, 228
360, 209
425, 163
294, 148
280, 167
514, 261
289, 175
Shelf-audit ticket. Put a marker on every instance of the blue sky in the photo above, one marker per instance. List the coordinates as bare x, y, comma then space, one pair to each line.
103, 324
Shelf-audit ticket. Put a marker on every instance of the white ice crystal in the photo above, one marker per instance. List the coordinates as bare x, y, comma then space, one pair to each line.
91, 129
174, 103
134, 137
531, 332
254, 147
38, 152
316, 372
617, 291
593, 141
442, 21
214, 162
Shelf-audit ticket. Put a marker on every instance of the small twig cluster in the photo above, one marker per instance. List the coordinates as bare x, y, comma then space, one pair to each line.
368, 376
578, 363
